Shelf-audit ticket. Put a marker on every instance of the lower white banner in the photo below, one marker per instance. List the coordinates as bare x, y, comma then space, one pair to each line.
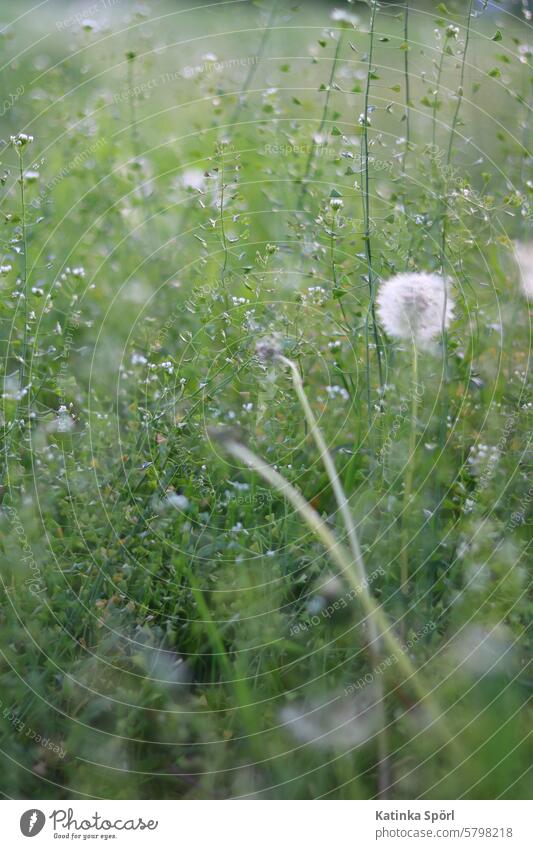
265, 824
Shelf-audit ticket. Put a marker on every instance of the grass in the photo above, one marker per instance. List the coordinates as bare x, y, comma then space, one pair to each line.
330, 598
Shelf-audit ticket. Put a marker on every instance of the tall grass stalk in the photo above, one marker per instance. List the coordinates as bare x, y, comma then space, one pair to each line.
9, 435
344, 559
223, 232
24, 281
312, 151
365, 189
407, 85
460, 93
445, 364
349, 524
252, 70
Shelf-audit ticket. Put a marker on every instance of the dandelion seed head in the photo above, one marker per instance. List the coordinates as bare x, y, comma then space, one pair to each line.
415, 307
268, 349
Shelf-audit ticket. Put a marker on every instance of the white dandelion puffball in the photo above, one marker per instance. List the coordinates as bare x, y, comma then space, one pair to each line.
524, 257
415, 307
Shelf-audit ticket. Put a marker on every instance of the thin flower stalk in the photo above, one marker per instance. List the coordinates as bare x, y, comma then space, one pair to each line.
445, 363
365, 187
344, 560
407, 85
409, 475
355, 547
312, 151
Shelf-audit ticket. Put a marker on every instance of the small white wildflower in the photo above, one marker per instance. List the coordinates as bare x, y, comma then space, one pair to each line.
415, 307
452, 31
336, 203
524, 257
315, 296
138, 359
21, 140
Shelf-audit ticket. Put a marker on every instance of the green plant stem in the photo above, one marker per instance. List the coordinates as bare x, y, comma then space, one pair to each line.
436, 95
445, 364
233, 674
344, 560
460, 94
223, 232
9, 436
312, 151
408, 486
253, 68
407, 85
365, 186
22, 368
349, 524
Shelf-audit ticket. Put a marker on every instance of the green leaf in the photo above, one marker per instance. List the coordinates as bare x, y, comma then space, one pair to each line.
497, 36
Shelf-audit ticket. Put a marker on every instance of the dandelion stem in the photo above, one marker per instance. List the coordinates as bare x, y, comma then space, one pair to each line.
331, 470
342, 503
404, 561
344, 560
